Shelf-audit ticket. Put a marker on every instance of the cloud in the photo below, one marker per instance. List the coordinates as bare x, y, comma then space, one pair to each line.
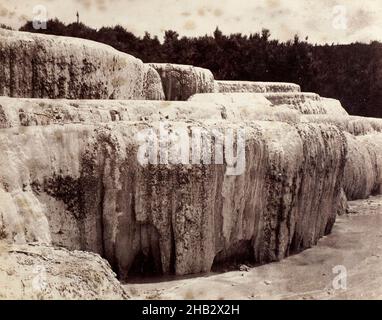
86, 3
190, 25
5, 12
361, 19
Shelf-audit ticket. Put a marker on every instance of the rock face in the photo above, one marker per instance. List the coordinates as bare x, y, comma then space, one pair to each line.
302, 102
251, 99
35, 65
36, 112
86, 181
71, 173
355, 125
363, 171
305, 103
41, 272
333, 107
182, 81
252, 86
364, 160
152, 85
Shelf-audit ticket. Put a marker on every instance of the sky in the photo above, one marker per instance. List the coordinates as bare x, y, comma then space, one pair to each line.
323, 21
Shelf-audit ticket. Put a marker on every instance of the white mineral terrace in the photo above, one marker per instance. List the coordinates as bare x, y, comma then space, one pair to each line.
74, 193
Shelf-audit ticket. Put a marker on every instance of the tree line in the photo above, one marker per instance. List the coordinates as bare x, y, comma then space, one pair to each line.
351, 73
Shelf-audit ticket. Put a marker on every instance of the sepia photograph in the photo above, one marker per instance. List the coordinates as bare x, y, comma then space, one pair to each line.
171, 150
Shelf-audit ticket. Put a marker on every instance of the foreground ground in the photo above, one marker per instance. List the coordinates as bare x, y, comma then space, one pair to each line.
355, 243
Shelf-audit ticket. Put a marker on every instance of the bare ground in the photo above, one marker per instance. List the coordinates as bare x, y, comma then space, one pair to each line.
355, 243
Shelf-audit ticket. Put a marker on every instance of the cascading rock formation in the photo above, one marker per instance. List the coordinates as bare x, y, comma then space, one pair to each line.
70, 175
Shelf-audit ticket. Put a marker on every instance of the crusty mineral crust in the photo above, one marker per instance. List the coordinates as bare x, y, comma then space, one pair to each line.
43, 272
36, 112
302, 102
254, 86
305, 103
363, 171
84, 182
333, 107
46, 66
152, 84
182, 81
355, 125
70, 176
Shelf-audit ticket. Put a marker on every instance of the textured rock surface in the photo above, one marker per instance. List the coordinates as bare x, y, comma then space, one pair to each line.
354, 243
86, 181
41, 272
32, 112
227, 98
363, 171
304, 103
333, 107
364, 160
252, 86
182, 81
352, 124
35, 65
250, 106
152, 85
69, 173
